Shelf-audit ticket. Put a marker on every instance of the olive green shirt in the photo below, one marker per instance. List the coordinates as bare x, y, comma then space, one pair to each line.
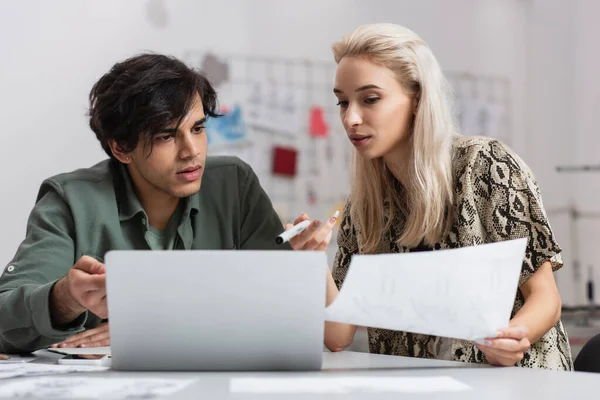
165, 239
94, 210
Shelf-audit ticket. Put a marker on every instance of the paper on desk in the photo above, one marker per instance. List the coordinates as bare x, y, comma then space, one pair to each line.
104, 350
92, 388
33, 369
347, 385
465, 293
16, 359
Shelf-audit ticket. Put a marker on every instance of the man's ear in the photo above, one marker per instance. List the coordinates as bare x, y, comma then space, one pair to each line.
122, 156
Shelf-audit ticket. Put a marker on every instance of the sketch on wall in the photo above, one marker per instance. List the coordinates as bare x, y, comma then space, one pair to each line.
483, 105
227, 129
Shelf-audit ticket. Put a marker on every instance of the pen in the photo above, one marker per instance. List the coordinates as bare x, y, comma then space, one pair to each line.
293, 231
297, 229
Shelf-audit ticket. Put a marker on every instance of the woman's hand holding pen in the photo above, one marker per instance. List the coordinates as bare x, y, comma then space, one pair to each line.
316, 236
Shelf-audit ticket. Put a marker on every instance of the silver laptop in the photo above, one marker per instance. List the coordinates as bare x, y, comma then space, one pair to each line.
202, 310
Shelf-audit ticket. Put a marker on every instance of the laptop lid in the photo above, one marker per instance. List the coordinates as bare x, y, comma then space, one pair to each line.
216, 310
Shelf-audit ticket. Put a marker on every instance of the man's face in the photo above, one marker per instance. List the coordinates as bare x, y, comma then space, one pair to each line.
174, 163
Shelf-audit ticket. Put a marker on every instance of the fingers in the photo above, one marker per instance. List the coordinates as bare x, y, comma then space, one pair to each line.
88, 291
80, 337
300, 241
99, 336
95, 302
99, 343
85, 335
306, 240
302, 217
90, 265
82, 281
326, 229
325, 243
515, 332
501, 358
92, 341
316, 236
504, 350
507, 345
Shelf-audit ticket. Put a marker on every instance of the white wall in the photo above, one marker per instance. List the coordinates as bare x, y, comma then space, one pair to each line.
583, 122
563, 99
55, 51
548, 103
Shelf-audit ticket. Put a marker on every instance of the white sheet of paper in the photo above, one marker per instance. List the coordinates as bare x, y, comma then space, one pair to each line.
480, 117
33, 369
290, 114
105, 350
16, 359
92, 388
270, 105
465, 293
347, 385
254, 103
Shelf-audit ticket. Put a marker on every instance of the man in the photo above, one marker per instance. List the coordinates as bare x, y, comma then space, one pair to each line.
149, 113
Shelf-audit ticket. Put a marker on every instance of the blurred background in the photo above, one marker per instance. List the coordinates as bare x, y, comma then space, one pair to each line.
524, 71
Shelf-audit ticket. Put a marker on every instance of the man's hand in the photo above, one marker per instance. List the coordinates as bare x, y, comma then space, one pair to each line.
508, 348
315, 237
83, 288
99, 336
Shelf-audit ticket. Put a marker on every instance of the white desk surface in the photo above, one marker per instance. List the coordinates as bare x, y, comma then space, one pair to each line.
490, 383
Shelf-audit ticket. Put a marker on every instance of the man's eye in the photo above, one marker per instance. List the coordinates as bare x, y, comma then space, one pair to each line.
164, 138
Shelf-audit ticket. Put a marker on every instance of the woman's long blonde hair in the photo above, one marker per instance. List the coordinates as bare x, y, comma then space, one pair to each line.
427, 196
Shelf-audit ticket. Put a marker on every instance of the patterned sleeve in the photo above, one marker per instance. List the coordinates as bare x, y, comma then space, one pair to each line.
509, 203
347, 246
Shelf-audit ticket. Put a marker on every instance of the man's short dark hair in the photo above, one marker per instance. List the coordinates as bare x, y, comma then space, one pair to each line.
141, 96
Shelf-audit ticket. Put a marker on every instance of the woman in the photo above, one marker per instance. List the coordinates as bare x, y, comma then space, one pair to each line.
418, 185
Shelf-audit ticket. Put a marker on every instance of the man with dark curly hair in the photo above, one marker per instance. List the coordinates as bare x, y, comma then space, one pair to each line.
149, 114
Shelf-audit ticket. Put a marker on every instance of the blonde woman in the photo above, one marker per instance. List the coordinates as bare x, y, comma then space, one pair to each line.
418, 185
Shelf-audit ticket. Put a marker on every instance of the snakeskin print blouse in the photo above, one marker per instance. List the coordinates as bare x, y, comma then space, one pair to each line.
496, 199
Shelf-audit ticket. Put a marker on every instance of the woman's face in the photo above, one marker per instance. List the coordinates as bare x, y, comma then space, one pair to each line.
375, 109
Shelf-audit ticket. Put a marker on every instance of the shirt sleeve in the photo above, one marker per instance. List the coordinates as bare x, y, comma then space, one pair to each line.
509, 203
45, 255
260, 223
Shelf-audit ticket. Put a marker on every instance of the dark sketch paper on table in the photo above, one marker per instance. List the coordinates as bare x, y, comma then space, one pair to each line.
465, 293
